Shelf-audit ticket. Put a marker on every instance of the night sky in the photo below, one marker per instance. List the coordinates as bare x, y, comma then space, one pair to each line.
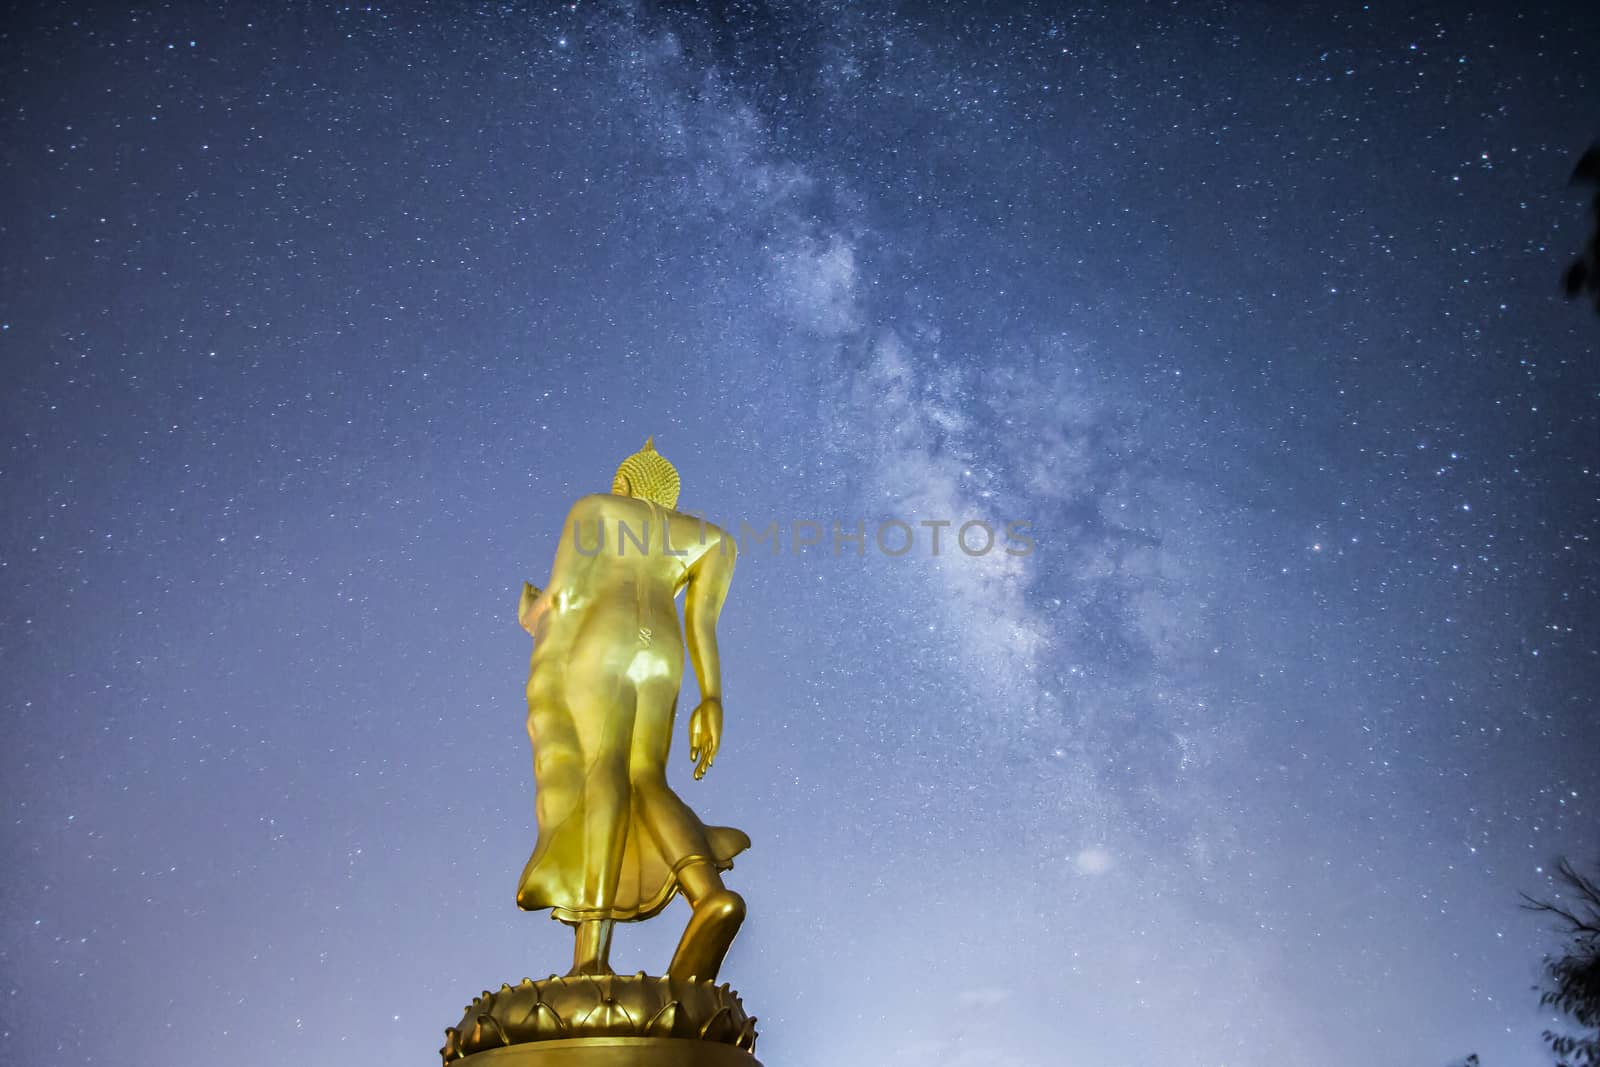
314, 321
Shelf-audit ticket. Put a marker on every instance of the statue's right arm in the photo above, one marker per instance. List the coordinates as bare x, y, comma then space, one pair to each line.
709, 578
532, 606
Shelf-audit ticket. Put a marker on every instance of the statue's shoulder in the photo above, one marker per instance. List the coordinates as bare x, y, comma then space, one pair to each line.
600, 505
718, 535
703, 533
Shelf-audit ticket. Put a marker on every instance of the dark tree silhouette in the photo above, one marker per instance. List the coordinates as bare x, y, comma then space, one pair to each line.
1575, 976
1583, 276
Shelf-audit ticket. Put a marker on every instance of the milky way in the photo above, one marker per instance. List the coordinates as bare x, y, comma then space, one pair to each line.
313, 322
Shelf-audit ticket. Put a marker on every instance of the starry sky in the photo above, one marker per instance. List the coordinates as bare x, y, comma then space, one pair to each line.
315, 319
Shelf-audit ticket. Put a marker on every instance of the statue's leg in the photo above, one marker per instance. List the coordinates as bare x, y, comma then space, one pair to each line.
592, 950
679, 834
607, 806
718, 912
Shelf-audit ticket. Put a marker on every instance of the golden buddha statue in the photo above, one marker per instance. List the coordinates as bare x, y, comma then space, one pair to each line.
615, 842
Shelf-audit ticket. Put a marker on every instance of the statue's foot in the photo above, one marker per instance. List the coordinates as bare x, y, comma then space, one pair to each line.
594, 967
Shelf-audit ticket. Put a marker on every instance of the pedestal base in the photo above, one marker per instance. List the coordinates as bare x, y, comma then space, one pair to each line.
604, 1021
615, 1052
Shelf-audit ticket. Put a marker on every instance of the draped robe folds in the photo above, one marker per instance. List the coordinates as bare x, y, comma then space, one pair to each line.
601, 730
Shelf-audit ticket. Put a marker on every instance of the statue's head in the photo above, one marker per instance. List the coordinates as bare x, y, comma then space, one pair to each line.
648, 476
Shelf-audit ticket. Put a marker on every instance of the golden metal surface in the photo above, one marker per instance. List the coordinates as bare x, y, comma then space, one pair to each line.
615, 841
599, 1008
617, 1052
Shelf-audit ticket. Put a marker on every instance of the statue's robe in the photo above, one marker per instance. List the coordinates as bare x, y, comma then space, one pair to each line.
554, 877
586, 730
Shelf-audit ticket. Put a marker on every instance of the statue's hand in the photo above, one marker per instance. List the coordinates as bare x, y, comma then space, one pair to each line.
705, 735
